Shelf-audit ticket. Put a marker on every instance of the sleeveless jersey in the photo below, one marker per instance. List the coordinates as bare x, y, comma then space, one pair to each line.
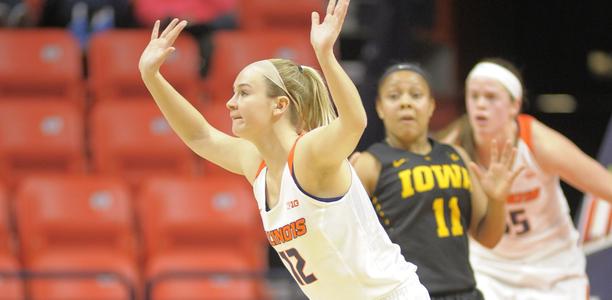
540, 245
334, 248
424, 202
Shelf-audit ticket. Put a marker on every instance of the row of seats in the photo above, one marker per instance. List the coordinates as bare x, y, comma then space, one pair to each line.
251, 15
91, 224
46, 64
131, 140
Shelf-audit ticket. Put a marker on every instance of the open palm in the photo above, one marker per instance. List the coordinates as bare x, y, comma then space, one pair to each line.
497, 179
160, 46
324, 34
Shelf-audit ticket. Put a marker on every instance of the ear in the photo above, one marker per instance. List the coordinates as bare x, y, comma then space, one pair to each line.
432, 107
379, 110
280, 105
516, 107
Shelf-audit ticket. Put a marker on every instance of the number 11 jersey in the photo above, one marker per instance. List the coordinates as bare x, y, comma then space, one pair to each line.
425, 204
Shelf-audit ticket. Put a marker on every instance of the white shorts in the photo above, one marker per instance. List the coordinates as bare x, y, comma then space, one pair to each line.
411, 289
573, 288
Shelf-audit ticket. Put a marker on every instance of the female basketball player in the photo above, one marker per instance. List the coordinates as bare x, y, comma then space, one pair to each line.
423, 191
538, 256
293, 148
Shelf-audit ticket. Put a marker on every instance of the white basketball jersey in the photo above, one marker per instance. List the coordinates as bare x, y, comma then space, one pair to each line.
335, 249
540, 245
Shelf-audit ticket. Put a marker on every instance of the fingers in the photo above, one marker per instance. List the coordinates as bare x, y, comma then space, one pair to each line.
516, 173
155, 31
315, 18
341, 10
506, 152
169, 28
510, 160
173, 35
494, 152
330, 7
167, 53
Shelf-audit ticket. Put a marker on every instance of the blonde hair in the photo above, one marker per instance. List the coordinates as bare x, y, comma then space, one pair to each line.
311, 104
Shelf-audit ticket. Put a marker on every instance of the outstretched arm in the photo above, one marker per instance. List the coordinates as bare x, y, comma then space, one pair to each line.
231, 153
558, 155
327, 147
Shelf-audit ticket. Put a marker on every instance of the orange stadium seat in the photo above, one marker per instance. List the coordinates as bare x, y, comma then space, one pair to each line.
40, 138
181, 277
234, 50
77, 224
10, 287
113, 66
41, 64
201, 224
205, 213
270, 14
7, 246
133, 140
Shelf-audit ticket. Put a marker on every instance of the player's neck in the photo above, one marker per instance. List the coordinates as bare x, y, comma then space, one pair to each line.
274, 147
484, 143
419, 145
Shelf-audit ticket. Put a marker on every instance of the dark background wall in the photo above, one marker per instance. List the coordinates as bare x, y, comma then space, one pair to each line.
550, 42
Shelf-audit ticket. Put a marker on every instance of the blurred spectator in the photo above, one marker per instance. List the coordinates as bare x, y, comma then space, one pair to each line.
204, 17
59, 13
212, 12
13, 13
86, 17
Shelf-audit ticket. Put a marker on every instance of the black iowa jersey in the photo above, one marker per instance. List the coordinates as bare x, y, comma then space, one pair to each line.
424, 203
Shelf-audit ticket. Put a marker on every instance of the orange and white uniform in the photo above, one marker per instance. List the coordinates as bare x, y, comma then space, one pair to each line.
335, 248
538, 257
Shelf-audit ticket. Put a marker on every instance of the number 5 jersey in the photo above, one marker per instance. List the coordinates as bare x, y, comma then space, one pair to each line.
540, 246
334, 248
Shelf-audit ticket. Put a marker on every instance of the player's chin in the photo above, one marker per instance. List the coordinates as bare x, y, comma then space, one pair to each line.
240, 130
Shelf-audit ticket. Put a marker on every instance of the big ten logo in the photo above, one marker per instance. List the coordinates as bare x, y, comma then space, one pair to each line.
293, 204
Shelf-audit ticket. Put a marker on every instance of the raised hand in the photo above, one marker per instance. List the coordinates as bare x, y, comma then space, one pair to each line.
324, 34
497, 179
159, 47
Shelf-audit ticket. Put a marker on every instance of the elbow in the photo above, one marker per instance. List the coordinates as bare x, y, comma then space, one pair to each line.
489, 242
361, 123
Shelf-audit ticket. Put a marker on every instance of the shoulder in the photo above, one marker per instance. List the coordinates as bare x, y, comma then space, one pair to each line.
458, 149
368, 169
548, 145
378, 149
366, 158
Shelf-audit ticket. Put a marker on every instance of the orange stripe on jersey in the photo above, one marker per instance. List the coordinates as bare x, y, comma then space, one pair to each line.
588, 292
261, 166
590, 212
291, 154
524, 197
525, 129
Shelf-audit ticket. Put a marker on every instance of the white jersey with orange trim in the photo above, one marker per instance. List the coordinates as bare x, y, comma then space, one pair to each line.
335, 248
540, 246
